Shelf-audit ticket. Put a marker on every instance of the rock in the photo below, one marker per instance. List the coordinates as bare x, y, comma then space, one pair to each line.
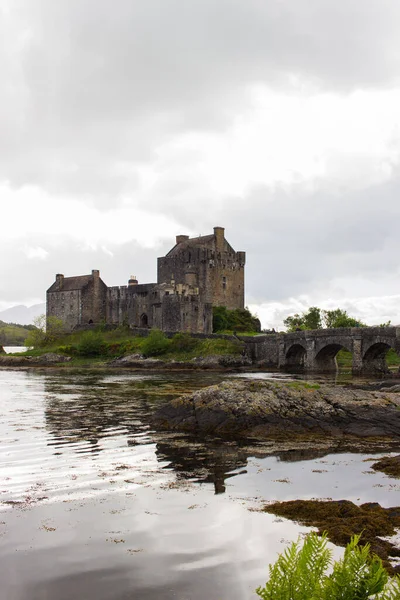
136, 361
206, 362
264, 408
216, 361
14, 361
50, 358
393, 388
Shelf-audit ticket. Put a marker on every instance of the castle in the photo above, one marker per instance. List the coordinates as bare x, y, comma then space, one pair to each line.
196, 274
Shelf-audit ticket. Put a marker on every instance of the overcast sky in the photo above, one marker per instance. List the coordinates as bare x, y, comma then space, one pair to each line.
125, 123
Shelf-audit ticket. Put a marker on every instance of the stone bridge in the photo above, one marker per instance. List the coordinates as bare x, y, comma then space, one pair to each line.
316, 350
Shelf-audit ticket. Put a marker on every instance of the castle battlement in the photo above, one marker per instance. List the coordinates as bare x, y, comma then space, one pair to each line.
195, 275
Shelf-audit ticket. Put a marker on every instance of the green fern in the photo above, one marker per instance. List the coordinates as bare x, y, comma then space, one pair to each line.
300, 574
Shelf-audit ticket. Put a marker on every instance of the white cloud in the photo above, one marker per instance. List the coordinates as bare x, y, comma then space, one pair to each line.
32, 211
36, 253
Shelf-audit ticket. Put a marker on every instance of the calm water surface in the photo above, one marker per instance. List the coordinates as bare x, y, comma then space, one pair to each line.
94, 504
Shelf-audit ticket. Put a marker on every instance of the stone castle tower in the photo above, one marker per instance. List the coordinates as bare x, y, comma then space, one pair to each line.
209, 263
196, 274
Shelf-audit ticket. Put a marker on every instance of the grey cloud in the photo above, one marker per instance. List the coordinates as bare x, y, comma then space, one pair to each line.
298, 243
23, 280
90, 85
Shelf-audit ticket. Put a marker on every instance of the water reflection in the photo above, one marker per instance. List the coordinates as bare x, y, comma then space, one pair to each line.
93, 408
119, 510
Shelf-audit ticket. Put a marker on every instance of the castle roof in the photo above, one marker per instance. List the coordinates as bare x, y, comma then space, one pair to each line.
202, 241
71, 283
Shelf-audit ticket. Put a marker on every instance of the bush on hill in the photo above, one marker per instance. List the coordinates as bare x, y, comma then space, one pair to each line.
239, 319
155, 344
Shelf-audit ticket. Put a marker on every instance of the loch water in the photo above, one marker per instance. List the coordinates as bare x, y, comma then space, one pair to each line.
96, 505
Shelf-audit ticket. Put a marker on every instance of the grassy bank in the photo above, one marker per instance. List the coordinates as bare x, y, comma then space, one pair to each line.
99, 346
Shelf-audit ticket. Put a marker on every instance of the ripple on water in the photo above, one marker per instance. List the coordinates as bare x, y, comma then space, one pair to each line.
121, 511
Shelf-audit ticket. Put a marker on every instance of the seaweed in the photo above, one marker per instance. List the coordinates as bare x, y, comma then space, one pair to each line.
341, 519
389, 465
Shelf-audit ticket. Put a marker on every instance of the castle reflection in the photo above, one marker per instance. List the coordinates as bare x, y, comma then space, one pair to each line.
87, 410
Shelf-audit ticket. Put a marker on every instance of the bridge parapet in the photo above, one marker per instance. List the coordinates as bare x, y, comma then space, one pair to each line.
317, 349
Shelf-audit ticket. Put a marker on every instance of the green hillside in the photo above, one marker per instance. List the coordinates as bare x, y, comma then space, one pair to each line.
12, 334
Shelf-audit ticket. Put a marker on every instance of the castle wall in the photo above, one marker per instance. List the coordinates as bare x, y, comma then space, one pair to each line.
130, 305
195, 275
187, 314
65, 306
116, 305
219, 275
93, 300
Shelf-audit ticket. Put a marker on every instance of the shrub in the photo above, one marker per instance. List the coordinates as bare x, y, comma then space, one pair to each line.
68, 349
91, 343
155, 344
300, 574
220, 346
239, 319
183, 342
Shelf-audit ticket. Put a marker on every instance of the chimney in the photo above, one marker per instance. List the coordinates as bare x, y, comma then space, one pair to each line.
95, 273
60, 280
219, 233
132, 281
181, 238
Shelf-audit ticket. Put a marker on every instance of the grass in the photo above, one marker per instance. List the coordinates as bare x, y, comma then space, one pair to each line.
239, 333
100, 346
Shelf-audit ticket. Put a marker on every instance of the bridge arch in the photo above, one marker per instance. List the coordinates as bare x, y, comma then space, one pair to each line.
374, 357
296, 356
325, 359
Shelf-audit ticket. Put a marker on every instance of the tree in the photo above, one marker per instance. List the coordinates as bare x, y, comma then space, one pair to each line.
239, 319
301, 574
46, 332
316, 318
312, 319
340, 318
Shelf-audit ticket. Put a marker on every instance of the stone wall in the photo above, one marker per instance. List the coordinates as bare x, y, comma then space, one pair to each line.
219, 275
195, 275
316, 350
187, 314
161, 307
84, 304
65, 306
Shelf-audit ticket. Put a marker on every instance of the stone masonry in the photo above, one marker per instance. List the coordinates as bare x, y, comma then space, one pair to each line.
316, 350
196, 274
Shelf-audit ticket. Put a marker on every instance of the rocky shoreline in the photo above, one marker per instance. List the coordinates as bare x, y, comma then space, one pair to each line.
264, 409
133, 361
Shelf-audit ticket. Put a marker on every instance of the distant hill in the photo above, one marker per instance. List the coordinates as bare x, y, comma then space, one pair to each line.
12, 334
22, 314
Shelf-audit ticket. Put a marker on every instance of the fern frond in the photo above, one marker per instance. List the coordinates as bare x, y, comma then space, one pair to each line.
300, 574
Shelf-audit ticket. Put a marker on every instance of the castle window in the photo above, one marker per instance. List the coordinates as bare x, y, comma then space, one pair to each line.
224, 283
